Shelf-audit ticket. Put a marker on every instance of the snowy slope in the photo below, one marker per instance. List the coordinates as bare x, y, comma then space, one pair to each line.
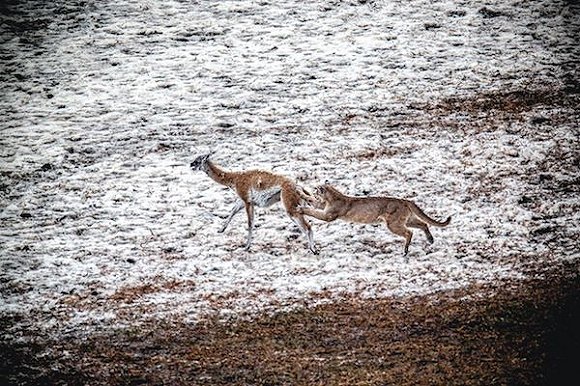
104, 105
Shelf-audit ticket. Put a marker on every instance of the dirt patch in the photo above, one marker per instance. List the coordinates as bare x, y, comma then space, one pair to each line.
507, 333
515, 101
130, 294
539, 107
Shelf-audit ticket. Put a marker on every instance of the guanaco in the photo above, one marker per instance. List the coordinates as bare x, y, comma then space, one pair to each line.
398, 214
259, 188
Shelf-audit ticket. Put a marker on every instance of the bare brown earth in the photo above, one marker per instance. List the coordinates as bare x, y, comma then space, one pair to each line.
508, 333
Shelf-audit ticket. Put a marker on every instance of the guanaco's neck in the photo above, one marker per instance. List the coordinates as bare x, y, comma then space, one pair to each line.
218, 174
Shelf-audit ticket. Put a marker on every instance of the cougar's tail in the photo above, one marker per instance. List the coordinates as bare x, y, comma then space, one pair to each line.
419, 213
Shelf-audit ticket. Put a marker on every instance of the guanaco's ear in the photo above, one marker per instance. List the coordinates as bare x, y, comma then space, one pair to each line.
200, 161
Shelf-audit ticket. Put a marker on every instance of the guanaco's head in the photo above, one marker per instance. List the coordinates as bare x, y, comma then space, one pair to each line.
200, 163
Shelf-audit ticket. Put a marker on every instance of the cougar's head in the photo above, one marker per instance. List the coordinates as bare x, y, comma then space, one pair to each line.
200, 162
327, 193
321, 192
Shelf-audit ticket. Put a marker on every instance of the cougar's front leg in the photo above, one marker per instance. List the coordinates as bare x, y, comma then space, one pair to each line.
319, 214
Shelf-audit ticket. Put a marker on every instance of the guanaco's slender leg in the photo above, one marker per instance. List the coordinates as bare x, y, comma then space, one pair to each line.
307, 230
239, 205
290, 199
250, 213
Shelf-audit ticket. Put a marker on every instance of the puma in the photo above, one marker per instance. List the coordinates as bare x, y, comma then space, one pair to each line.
398, 214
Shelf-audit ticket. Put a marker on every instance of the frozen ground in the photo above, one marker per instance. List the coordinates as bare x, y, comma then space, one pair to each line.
471, 109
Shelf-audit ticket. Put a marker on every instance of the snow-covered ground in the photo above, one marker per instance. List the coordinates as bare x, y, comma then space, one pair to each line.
104, 104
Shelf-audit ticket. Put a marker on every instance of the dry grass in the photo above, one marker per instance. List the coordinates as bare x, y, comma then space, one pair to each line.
508, 333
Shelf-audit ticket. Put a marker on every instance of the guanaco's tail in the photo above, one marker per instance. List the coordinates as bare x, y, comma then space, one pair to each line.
419, 213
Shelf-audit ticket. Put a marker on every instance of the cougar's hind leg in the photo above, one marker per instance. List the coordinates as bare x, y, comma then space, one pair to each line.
238, 206
414, 222
401, 230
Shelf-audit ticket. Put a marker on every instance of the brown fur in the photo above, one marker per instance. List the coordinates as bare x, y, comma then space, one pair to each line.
399, 215
261, 188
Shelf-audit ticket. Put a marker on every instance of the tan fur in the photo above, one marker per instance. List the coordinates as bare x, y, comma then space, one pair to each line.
399, 215
261, 188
